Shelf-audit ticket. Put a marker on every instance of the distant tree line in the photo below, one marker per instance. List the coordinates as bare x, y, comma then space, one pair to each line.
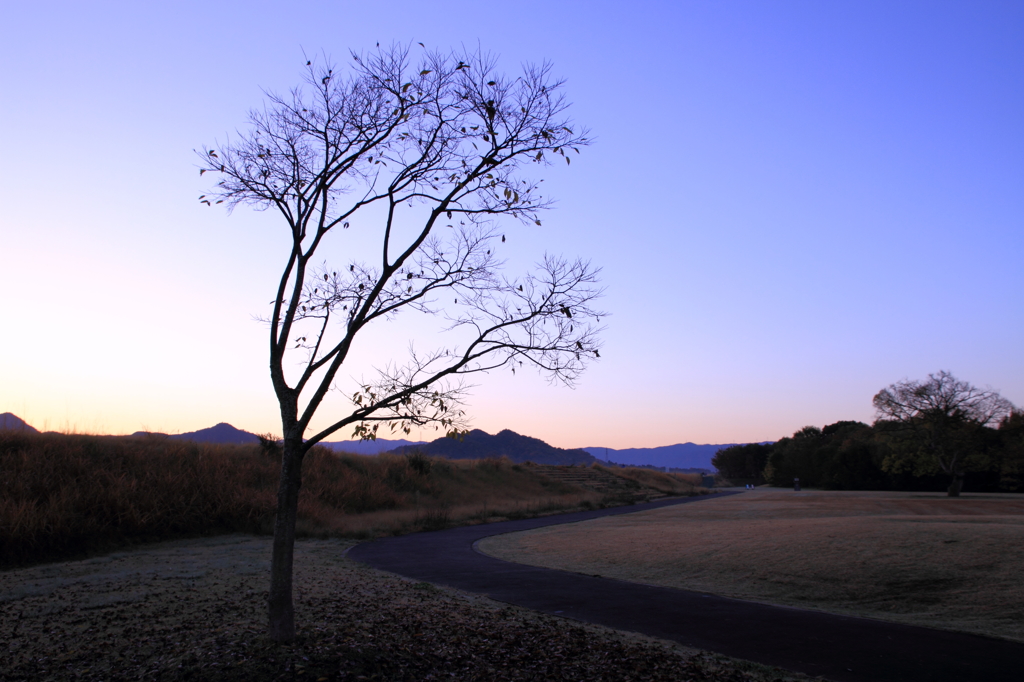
927, 435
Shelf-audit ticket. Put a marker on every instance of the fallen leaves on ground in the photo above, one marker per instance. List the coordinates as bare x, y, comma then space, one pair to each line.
195, 610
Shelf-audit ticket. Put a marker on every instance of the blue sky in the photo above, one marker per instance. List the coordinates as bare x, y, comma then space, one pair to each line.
794, 204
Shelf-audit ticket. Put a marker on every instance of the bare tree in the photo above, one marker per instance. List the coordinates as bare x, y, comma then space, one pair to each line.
428, 156
937, 423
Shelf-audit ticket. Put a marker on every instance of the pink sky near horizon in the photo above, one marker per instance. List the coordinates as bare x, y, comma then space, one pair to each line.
795, 204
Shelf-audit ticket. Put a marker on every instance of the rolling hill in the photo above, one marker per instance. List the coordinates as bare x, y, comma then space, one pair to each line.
479, 444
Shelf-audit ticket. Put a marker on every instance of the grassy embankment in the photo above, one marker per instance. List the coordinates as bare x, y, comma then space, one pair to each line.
63, 496
916, 558
667, 483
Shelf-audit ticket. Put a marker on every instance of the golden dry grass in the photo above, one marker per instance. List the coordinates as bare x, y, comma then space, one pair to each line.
917, 558
63, 496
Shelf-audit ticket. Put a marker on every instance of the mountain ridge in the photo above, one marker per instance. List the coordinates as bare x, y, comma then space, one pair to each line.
12, 422
370, 447
508, 443
478, 444
220, 434
680, 456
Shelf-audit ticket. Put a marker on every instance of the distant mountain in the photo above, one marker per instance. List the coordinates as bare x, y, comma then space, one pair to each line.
370, 447
222, 434
479, 444
227, 434
9, 422
681, 455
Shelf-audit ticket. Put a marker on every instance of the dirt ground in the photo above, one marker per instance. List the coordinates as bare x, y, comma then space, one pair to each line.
195, 610
918, 558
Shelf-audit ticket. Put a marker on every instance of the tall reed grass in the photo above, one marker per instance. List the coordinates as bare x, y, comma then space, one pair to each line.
68, 495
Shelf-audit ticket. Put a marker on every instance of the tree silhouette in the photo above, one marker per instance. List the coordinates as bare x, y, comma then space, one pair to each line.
935, 424
427, 156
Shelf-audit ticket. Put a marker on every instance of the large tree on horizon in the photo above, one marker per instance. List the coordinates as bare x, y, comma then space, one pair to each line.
935, 425
426, 153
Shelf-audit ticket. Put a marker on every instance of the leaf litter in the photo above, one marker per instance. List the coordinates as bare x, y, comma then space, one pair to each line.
196, 610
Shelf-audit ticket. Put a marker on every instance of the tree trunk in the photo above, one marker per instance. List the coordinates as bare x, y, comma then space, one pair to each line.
282, 613
957, 485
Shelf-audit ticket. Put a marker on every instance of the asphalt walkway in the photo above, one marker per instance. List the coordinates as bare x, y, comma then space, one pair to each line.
839, 648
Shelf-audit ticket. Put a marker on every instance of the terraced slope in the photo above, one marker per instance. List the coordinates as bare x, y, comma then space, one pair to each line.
601, 481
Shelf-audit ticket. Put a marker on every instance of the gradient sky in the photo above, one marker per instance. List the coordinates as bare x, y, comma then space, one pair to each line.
794, 204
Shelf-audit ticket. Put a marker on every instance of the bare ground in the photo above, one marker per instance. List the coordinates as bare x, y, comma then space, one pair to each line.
195, 610
917, 558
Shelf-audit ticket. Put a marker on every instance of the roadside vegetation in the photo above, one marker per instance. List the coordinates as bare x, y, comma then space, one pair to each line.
63, 496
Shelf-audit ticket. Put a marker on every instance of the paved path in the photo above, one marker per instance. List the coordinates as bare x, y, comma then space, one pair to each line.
835, 647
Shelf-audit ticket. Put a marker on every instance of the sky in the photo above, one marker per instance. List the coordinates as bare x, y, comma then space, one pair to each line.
794, 205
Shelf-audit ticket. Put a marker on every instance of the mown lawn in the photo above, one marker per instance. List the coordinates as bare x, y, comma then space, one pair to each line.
917, 558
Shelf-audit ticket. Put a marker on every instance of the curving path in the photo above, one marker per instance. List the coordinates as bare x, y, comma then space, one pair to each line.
839, 648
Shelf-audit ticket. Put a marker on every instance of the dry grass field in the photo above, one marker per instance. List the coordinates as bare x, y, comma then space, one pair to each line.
918, 558
63, 496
